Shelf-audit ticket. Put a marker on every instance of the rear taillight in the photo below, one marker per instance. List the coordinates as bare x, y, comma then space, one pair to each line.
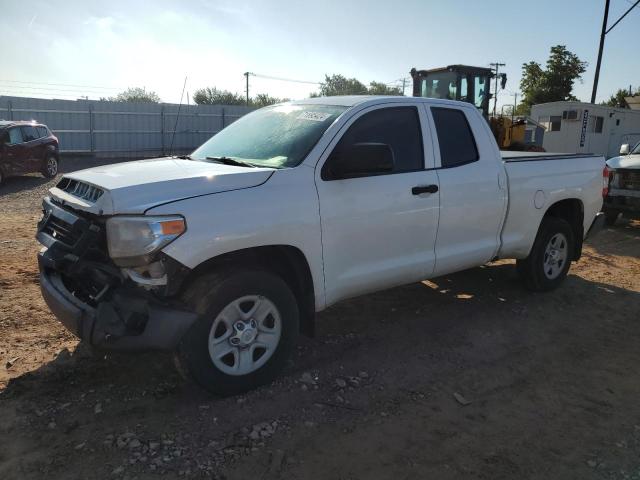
605, 181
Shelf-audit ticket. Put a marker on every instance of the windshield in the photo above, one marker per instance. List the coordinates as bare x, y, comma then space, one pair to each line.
280, 136
636, 149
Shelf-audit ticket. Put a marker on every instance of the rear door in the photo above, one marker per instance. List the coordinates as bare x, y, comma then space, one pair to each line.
379, 230
473, 189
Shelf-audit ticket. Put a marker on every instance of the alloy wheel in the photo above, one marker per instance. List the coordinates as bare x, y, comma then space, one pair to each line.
244, 335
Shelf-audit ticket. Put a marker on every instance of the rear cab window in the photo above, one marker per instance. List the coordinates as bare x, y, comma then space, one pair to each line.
456, 140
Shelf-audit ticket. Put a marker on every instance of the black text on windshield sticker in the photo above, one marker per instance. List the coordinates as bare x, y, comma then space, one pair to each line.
314, 116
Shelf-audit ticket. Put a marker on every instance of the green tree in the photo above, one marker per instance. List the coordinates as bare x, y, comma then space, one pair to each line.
618, 98
214, 96
263, 99
340, 85
336, 85
553, 83
378, 88
136, 94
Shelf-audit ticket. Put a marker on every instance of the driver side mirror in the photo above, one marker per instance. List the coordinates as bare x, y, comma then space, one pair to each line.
624, 149
360, 160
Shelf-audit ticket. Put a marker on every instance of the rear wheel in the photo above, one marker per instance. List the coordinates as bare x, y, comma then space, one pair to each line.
611, 216
247, 328
50, 168
548, 263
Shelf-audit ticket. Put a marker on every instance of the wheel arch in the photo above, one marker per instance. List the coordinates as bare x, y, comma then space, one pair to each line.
51, 149
572, 211
287, 261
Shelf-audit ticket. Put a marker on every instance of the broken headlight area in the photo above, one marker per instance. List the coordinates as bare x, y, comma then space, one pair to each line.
134, 240
78, 249
130, 307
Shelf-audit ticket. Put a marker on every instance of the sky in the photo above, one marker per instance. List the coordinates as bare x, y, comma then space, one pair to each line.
65, 49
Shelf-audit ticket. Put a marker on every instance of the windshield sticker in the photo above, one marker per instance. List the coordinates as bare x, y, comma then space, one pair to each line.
315, 116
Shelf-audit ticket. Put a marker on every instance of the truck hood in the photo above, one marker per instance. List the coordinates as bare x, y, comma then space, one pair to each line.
626, 161
133, 187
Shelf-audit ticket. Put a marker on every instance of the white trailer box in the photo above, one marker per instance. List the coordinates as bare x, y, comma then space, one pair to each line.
577, 127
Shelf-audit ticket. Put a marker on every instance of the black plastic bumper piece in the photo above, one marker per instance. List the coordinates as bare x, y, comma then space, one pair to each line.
629, 206
70, 314
161, 326
596, 226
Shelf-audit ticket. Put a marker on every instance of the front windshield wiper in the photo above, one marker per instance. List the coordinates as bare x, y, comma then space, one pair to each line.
232, 161
183, 157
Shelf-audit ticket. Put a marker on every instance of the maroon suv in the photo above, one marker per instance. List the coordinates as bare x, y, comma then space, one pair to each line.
27, 147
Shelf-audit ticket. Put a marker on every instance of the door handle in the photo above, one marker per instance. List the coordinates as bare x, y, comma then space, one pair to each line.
424, 189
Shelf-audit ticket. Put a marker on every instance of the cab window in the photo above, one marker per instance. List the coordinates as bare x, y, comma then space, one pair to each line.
29, 133
15, 135
397, 127
457, 145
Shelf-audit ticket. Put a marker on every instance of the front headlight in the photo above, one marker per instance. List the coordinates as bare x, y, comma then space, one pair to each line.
133, 240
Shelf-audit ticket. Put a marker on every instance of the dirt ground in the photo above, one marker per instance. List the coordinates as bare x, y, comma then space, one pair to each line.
467, 376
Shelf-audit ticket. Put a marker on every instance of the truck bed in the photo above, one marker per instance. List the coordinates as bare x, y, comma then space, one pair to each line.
534, 186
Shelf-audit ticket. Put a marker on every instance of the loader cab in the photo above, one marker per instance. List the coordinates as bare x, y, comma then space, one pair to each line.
456, 82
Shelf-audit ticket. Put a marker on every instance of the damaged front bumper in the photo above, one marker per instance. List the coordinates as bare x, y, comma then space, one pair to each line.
120, 315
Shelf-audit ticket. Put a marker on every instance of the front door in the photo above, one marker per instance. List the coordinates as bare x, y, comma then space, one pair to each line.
380, 229
34, 148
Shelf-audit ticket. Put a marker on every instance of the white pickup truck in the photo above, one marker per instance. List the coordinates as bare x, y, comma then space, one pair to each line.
624, 185
225, 255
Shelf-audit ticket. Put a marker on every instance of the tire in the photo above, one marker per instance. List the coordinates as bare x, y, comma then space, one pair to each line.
50, 167
550, 258
272, 330
611, 216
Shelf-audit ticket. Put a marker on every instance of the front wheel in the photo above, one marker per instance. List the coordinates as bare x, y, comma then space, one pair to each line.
247, 327
50, 168
550, 258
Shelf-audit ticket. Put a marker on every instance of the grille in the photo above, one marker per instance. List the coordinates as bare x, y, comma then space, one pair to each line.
61, 231
80, 189
629, 180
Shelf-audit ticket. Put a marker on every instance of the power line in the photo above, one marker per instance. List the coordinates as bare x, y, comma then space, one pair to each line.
623, 15
20, 93
50, 89
270, 77
62, 84
601, 46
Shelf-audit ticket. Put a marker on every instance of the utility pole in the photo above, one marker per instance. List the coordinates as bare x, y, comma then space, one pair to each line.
404, 83
599, 62
246, 74
495, 96
515, 104
606, 30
